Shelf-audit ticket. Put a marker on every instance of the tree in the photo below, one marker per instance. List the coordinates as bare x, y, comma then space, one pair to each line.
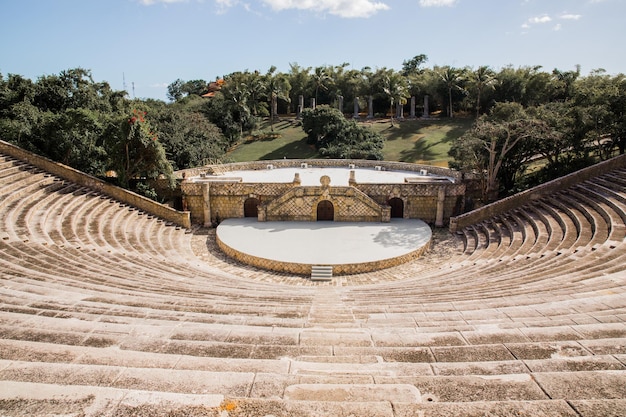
299, 79
412, 66
188, 137
480, 80
396, 90
175, 90
337, 137
320, 79
136, 153
500, 145
452, 79
277, 88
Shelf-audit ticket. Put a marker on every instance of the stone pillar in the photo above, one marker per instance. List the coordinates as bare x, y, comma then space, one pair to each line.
370, 107
441, 198
206, 207
399, 111
412, 107
340, 103
356, 108
300, 106
313, 103
426, 113
352, 179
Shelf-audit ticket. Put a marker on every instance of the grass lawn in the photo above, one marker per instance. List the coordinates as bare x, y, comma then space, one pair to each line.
417, 141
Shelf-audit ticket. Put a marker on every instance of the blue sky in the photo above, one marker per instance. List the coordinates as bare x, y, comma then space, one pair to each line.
151, 43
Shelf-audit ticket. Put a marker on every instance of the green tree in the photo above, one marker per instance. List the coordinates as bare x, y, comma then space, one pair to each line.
480, 80
277, 88
452, 79
500, 145
396, 90
337, 137
175, 90
412, 66
136, 153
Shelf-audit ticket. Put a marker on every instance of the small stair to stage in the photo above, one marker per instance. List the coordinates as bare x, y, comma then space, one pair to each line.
321, 273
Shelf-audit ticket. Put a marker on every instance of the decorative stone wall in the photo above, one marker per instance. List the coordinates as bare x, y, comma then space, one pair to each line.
217, 198
300, 204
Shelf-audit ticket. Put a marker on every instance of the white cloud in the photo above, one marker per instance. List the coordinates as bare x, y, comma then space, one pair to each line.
341, 8
557, 27
437, 3
540, 19
569, 16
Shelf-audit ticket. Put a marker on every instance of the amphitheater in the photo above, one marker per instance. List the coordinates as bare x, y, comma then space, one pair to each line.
108, 309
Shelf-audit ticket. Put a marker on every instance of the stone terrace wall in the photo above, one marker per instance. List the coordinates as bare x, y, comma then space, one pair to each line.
535, 193
295, 163
80, 178
420, 200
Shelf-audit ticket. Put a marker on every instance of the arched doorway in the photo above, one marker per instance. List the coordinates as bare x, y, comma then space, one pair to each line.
251, 207
397, 208
325, 211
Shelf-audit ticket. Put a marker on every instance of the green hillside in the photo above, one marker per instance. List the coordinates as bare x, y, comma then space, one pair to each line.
417, 141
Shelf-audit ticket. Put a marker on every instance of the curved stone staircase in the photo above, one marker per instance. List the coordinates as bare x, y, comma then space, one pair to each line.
106, 311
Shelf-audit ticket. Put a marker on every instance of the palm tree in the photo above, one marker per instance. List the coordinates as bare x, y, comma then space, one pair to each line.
277, 87
321, 78
481, 79
395, 88
452, 78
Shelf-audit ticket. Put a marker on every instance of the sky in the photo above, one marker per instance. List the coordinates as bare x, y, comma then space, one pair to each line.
144, 45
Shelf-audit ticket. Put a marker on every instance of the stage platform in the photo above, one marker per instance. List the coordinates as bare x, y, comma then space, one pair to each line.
349, 247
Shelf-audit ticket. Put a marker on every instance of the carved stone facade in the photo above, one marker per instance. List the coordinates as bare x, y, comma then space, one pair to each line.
212, 198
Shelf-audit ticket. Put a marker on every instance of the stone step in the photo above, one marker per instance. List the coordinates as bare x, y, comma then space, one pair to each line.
404, 393
321, 273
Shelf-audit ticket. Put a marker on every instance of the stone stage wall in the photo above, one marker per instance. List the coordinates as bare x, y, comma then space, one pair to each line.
211, 199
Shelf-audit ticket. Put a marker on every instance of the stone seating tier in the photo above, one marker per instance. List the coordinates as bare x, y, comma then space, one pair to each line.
106, 310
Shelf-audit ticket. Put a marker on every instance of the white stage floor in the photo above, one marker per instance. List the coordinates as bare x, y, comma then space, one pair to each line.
324, 243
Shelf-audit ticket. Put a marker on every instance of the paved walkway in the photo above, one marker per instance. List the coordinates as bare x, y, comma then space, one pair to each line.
325, 243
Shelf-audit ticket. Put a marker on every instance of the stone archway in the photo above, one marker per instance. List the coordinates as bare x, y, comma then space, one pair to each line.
397, 208
325, 211
251, 207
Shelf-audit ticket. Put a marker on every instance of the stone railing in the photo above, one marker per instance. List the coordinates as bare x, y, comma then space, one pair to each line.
535, 193
70, 174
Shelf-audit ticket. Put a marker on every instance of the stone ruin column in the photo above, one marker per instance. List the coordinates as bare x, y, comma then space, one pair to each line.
426, 113
412, 107
313, 103
356, 108
300, 106
340, 103
206, 207
370, 107
441, 198
399, 111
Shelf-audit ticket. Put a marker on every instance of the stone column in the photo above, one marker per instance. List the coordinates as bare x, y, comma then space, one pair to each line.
441, 198
399, 111
370, 107
340, 103
206, 207
313, 103
300, 106
426, 113
412, 107
356, 108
